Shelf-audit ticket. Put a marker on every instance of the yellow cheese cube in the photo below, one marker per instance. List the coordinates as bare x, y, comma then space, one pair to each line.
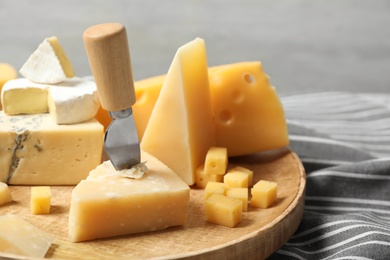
182, 119
7, 72
40, 200
222, 210
236, 180
202, 179
245, 170
22, 238
216, 161
107, 204
214, 188
5, 193
264, 194
239, 193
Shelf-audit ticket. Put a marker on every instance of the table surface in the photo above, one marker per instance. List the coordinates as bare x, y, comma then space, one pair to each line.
304, 45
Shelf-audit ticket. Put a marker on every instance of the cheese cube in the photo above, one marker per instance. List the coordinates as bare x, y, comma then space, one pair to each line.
107, 204
245, 170
22, 238
48, 64
202, 179
5, 193
34, 150
216, 161
214, 188
7, 72
236, 179
222, 210
239, 193
40, 200
182, 119
264, 194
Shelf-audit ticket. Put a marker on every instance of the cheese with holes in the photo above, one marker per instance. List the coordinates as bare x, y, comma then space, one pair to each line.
107, 204
249, 116
21, 238
202, 179
48, 64
180, 129
5, 193
69, 102
216, 161
7, 72
34, 150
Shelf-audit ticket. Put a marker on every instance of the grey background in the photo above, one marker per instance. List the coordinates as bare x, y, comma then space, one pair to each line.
304, 45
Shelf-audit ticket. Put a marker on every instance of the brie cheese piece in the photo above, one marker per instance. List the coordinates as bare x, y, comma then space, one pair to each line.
48, 64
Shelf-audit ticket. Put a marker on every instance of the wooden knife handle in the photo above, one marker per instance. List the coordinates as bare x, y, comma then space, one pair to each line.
109, 57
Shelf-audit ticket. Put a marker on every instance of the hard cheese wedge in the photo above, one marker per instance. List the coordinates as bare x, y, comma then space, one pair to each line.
34, 150
22, 238
48, 64
7, 72
248, 111
69, 102
106, 204
181, 130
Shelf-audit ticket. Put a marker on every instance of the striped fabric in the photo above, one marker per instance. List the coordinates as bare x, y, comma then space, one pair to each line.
343, 140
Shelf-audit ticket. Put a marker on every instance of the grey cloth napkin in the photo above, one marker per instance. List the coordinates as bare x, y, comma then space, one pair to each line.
343, 140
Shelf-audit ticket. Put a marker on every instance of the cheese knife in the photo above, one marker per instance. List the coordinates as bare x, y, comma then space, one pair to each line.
109, 59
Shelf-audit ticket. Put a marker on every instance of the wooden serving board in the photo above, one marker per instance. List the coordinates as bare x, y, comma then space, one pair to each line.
261, 232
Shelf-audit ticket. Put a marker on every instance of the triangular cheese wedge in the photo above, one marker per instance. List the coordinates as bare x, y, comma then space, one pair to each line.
48, 64
181, 129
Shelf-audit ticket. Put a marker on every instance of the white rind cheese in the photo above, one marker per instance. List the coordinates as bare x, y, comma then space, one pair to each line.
34, 150
108, 204
48, 64
72, 101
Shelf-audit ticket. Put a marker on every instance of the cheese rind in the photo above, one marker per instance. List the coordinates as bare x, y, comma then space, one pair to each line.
22, 96
106, 204
73, 101
5, 193
34, 150
182, 119
48, 64
22, 238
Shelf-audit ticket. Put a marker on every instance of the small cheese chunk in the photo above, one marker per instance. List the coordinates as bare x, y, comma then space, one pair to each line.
202, 179
222, 210
107, 204
214, 188
5, 193
73, 101
264, 194
69, 102
236, 179
40, 200
22, 96
244, 170
7, 72
241, 194
36, 151
22, 238
48, 64
216, 161
182, 119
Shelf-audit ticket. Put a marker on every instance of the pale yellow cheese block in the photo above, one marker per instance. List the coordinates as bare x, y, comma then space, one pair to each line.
107, 205
22, 238
40, 200
34, 150
181, 129
7, 72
